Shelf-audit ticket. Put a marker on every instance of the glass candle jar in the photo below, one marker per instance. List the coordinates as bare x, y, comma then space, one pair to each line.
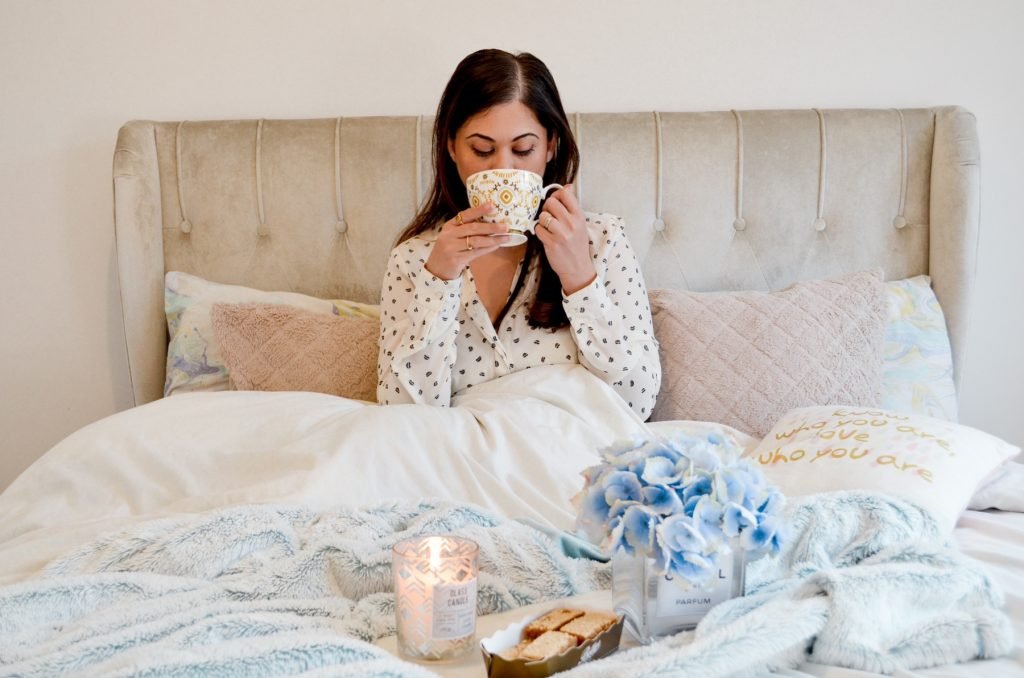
435, 596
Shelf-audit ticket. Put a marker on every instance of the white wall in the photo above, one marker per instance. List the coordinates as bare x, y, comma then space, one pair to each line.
71, 72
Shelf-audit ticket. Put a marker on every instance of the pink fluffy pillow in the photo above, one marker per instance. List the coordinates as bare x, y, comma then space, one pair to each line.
271, 347
746, 358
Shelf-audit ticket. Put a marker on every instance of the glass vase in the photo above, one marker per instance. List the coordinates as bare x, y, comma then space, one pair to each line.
657, 605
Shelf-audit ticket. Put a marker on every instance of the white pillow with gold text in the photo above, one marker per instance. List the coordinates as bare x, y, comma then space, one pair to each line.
933, 463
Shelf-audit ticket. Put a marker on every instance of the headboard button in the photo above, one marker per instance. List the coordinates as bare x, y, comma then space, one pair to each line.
185, 226
899, 222
341, 226
659, 225
739, 224
819, 224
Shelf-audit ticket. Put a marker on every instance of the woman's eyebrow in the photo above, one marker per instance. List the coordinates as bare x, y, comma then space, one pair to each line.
487, 138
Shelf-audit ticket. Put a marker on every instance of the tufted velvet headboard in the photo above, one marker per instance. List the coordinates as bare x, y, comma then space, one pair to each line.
712, 201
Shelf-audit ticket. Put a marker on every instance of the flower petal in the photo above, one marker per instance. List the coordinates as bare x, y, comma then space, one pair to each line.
677, 533
736, 518
621, 486
660, 471
698, 485
639, 524
662, 499
592, 514
694, 567
707, 516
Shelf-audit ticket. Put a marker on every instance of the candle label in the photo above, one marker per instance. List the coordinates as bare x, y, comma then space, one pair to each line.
454, 610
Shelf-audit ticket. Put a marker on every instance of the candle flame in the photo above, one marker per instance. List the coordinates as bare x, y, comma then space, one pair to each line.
435, 543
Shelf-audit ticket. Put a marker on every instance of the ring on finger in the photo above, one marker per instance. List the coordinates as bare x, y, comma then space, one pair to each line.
469, 245
458, 220
547, 224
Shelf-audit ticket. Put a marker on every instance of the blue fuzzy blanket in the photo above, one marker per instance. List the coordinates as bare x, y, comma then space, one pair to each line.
866, 583
260, 591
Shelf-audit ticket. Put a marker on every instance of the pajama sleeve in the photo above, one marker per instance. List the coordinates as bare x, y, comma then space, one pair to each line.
418, 326
611, 319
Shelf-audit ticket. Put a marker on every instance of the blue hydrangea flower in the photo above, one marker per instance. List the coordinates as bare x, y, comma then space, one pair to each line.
707, 517
617, 537
662, 499
680, 500
772, 503
660, 471
704, 456
666, 450
765, 537
621, 486
592, 512
692, 566
736, 518
639, 524
698, 486
678, 533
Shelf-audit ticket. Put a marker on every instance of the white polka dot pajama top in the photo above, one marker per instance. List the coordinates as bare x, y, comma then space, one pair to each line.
437, 338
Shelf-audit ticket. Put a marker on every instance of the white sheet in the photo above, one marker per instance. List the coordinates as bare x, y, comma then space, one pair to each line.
1003, 490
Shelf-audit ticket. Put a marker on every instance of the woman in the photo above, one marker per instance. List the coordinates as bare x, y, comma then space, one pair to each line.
458, 309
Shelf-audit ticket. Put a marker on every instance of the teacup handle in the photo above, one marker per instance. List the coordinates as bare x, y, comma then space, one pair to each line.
543, 192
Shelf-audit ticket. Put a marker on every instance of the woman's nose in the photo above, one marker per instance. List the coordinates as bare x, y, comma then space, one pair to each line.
503, 159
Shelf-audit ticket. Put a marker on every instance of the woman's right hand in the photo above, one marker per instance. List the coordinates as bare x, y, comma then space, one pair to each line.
463, 239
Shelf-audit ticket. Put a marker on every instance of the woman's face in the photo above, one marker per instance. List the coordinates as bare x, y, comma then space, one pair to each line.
505, 136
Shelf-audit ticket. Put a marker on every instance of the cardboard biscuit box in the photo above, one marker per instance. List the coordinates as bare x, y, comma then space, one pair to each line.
554, 641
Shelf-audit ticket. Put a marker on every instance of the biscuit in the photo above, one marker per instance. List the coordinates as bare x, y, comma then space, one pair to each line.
548, 644
550, 622
589, 625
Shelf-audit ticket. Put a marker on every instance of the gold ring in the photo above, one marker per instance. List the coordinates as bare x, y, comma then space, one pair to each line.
547, 224
458, 220
469, 246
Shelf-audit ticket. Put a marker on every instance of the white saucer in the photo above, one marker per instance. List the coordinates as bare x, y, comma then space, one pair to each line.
514, 239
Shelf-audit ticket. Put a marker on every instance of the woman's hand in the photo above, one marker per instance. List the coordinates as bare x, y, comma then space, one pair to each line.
462, 240
562, 228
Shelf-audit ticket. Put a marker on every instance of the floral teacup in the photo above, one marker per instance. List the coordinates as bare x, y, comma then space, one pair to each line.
516, 196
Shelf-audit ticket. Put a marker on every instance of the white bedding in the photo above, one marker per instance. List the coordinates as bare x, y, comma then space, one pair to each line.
515, 446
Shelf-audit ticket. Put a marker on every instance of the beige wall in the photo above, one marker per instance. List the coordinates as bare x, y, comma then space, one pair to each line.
71, 72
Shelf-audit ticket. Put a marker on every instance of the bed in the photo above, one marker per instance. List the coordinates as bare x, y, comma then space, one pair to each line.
222, 531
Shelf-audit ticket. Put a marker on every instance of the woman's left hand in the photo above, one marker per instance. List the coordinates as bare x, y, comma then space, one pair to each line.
562, 229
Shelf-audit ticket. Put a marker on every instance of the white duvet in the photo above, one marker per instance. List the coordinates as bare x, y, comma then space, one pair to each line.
515, 445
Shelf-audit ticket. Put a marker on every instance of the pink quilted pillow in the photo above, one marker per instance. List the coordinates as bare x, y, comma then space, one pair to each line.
271, 347
746, 358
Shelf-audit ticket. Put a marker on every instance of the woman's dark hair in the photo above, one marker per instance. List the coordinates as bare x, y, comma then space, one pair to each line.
484, 79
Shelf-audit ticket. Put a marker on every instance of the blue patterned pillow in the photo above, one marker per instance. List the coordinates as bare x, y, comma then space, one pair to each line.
918, 370
194, 362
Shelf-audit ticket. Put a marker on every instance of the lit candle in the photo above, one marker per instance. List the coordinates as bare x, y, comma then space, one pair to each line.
435, 596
